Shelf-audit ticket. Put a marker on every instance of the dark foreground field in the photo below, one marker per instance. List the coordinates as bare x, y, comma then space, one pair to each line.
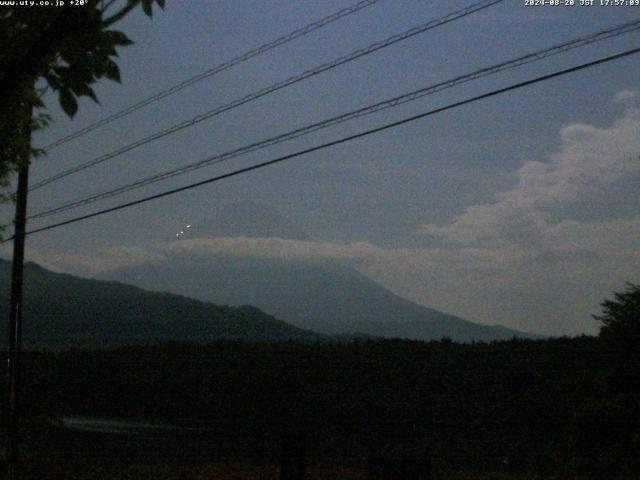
565, 408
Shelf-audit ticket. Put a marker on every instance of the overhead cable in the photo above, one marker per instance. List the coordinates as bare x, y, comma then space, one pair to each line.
300, 32
458, 14
339, 141
389, 103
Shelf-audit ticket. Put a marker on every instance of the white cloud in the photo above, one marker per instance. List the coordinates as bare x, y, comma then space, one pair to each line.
519, 261
88, 263
277, 248
589, 160
108, 259
624, 95
548, 290
520, 257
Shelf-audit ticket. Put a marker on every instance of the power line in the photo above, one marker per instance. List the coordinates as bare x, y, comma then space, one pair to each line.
339, 141
300, 32
389, 103
275, 87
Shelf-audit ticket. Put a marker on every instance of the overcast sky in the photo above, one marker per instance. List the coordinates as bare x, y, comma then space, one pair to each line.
521, 210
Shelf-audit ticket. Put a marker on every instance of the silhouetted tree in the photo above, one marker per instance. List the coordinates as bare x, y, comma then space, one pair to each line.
620, 417
620, 318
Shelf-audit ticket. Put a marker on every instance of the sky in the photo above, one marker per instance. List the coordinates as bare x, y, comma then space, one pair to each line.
520, 210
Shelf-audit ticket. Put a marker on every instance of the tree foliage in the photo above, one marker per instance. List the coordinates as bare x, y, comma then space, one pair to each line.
620, 317
64, 48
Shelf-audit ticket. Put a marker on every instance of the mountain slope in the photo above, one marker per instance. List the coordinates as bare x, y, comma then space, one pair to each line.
66, 311
327, 298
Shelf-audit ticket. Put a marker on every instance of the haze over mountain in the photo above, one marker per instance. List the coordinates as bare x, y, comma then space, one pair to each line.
242, 253
65, 311
226, 218
318, 295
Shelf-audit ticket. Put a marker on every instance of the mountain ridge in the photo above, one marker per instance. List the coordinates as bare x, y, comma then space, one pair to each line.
326, 297
62, 310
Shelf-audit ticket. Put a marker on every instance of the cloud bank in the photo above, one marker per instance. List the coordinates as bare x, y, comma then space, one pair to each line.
589, 161
534, 259
625, 95
531, 252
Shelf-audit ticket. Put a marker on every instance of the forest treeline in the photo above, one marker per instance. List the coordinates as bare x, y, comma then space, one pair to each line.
566, 405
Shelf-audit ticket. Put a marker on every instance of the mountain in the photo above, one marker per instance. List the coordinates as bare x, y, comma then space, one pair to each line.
324, 297
66, 311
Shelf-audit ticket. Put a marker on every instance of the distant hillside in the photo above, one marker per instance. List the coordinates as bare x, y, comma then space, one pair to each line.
326, 298
66, 311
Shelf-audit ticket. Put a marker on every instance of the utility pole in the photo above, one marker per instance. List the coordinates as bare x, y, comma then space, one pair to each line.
15, 312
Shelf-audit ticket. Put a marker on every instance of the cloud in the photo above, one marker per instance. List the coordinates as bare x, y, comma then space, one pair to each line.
89, 263
548, 289
521, 260
524, 259
97, 261
625, 95
590, 160
275, 248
